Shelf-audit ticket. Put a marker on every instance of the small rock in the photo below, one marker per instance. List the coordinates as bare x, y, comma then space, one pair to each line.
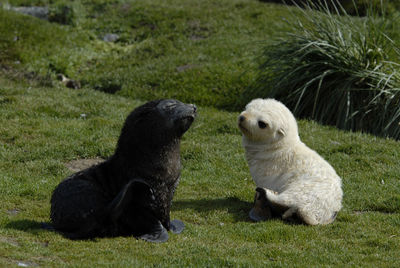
45, 244
61, 77
38, 12
110, 37
73, 84
80, 164
26, 264
10, 241
197, 37
125, 7
69, 82
13, 211
183, 68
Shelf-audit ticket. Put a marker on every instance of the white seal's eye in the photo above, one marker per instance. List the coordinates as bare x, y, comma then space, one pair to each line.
262, 124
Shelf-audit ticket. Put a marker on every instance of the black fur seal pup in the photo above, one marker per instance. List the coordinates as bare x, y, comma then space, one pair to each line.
129, 194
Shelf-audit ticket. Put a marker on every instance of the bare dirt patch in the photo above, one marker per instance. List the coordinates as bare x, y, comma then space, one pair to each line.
10, 241
80, 164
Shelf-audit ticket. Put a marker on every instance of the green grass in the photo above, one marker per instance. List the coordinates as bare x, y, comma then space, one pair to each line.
201, 52
42, 129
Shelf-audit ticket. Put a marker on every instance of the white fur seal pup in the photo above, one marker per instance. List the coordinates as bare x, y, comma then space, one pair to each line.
292, 180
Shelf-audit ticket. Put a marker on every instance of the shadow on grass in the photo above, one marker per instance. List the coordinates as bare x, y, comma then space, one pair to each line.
238, 208
29, 226
233, 205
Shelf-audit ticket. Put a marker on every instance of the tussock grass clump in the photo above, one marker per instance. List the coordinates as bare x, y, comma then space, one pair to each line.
338, 70
351, 7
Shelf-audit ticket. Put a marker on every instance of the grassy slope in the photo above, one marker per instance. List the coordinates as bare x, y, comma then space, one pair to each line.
41, 128
201, 51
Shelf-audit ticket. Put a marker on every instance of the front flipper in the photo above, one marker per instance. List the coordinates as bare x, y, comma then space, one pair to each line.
158, 234
137, 191
132, 214
177, 226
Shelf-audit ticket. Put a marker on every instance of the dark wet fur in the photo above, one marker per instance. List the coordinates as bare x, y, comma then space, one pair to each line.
131, 192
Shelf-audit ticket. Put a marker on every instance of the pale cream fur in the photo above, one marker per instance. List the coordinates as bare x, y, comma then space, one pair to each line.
292, 174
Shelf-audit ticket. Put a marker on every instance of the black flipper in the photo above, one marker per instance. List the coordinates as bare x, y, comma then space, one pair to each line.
261, 210
131, 210
158, 234
177, 226
136, 191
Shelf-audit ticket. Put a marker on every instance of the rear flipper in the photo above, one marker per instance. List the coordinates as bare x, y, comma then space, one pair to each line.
261, 210
283, 206
268, 205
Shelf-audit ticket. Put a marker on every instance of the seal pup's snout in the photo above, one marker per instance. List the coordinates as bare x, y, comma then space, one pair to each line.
177, 110
189, 112
180, 114
242, 124
194, 107
192, 110
185, 110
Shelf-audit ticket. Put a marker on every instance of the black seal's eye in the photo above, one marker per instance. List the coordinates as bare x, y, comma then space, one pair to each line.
262, 124
170, 106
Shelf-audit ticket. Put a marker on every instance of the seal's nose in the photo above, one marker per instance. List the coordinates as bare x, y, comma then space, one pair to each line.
194, 108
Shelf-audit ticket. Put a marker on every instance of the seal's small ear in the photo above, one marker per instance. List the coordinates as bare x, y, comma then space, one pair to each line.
282, 132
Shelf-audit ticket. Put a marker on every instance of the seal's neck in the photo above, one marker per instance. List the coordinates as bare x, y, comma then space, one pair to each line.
147, 158
264, 150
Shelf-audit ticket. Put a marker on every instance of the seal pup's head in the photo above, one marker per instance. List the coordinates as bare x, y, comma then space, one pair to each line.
156, 123
178, 116
267, 121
